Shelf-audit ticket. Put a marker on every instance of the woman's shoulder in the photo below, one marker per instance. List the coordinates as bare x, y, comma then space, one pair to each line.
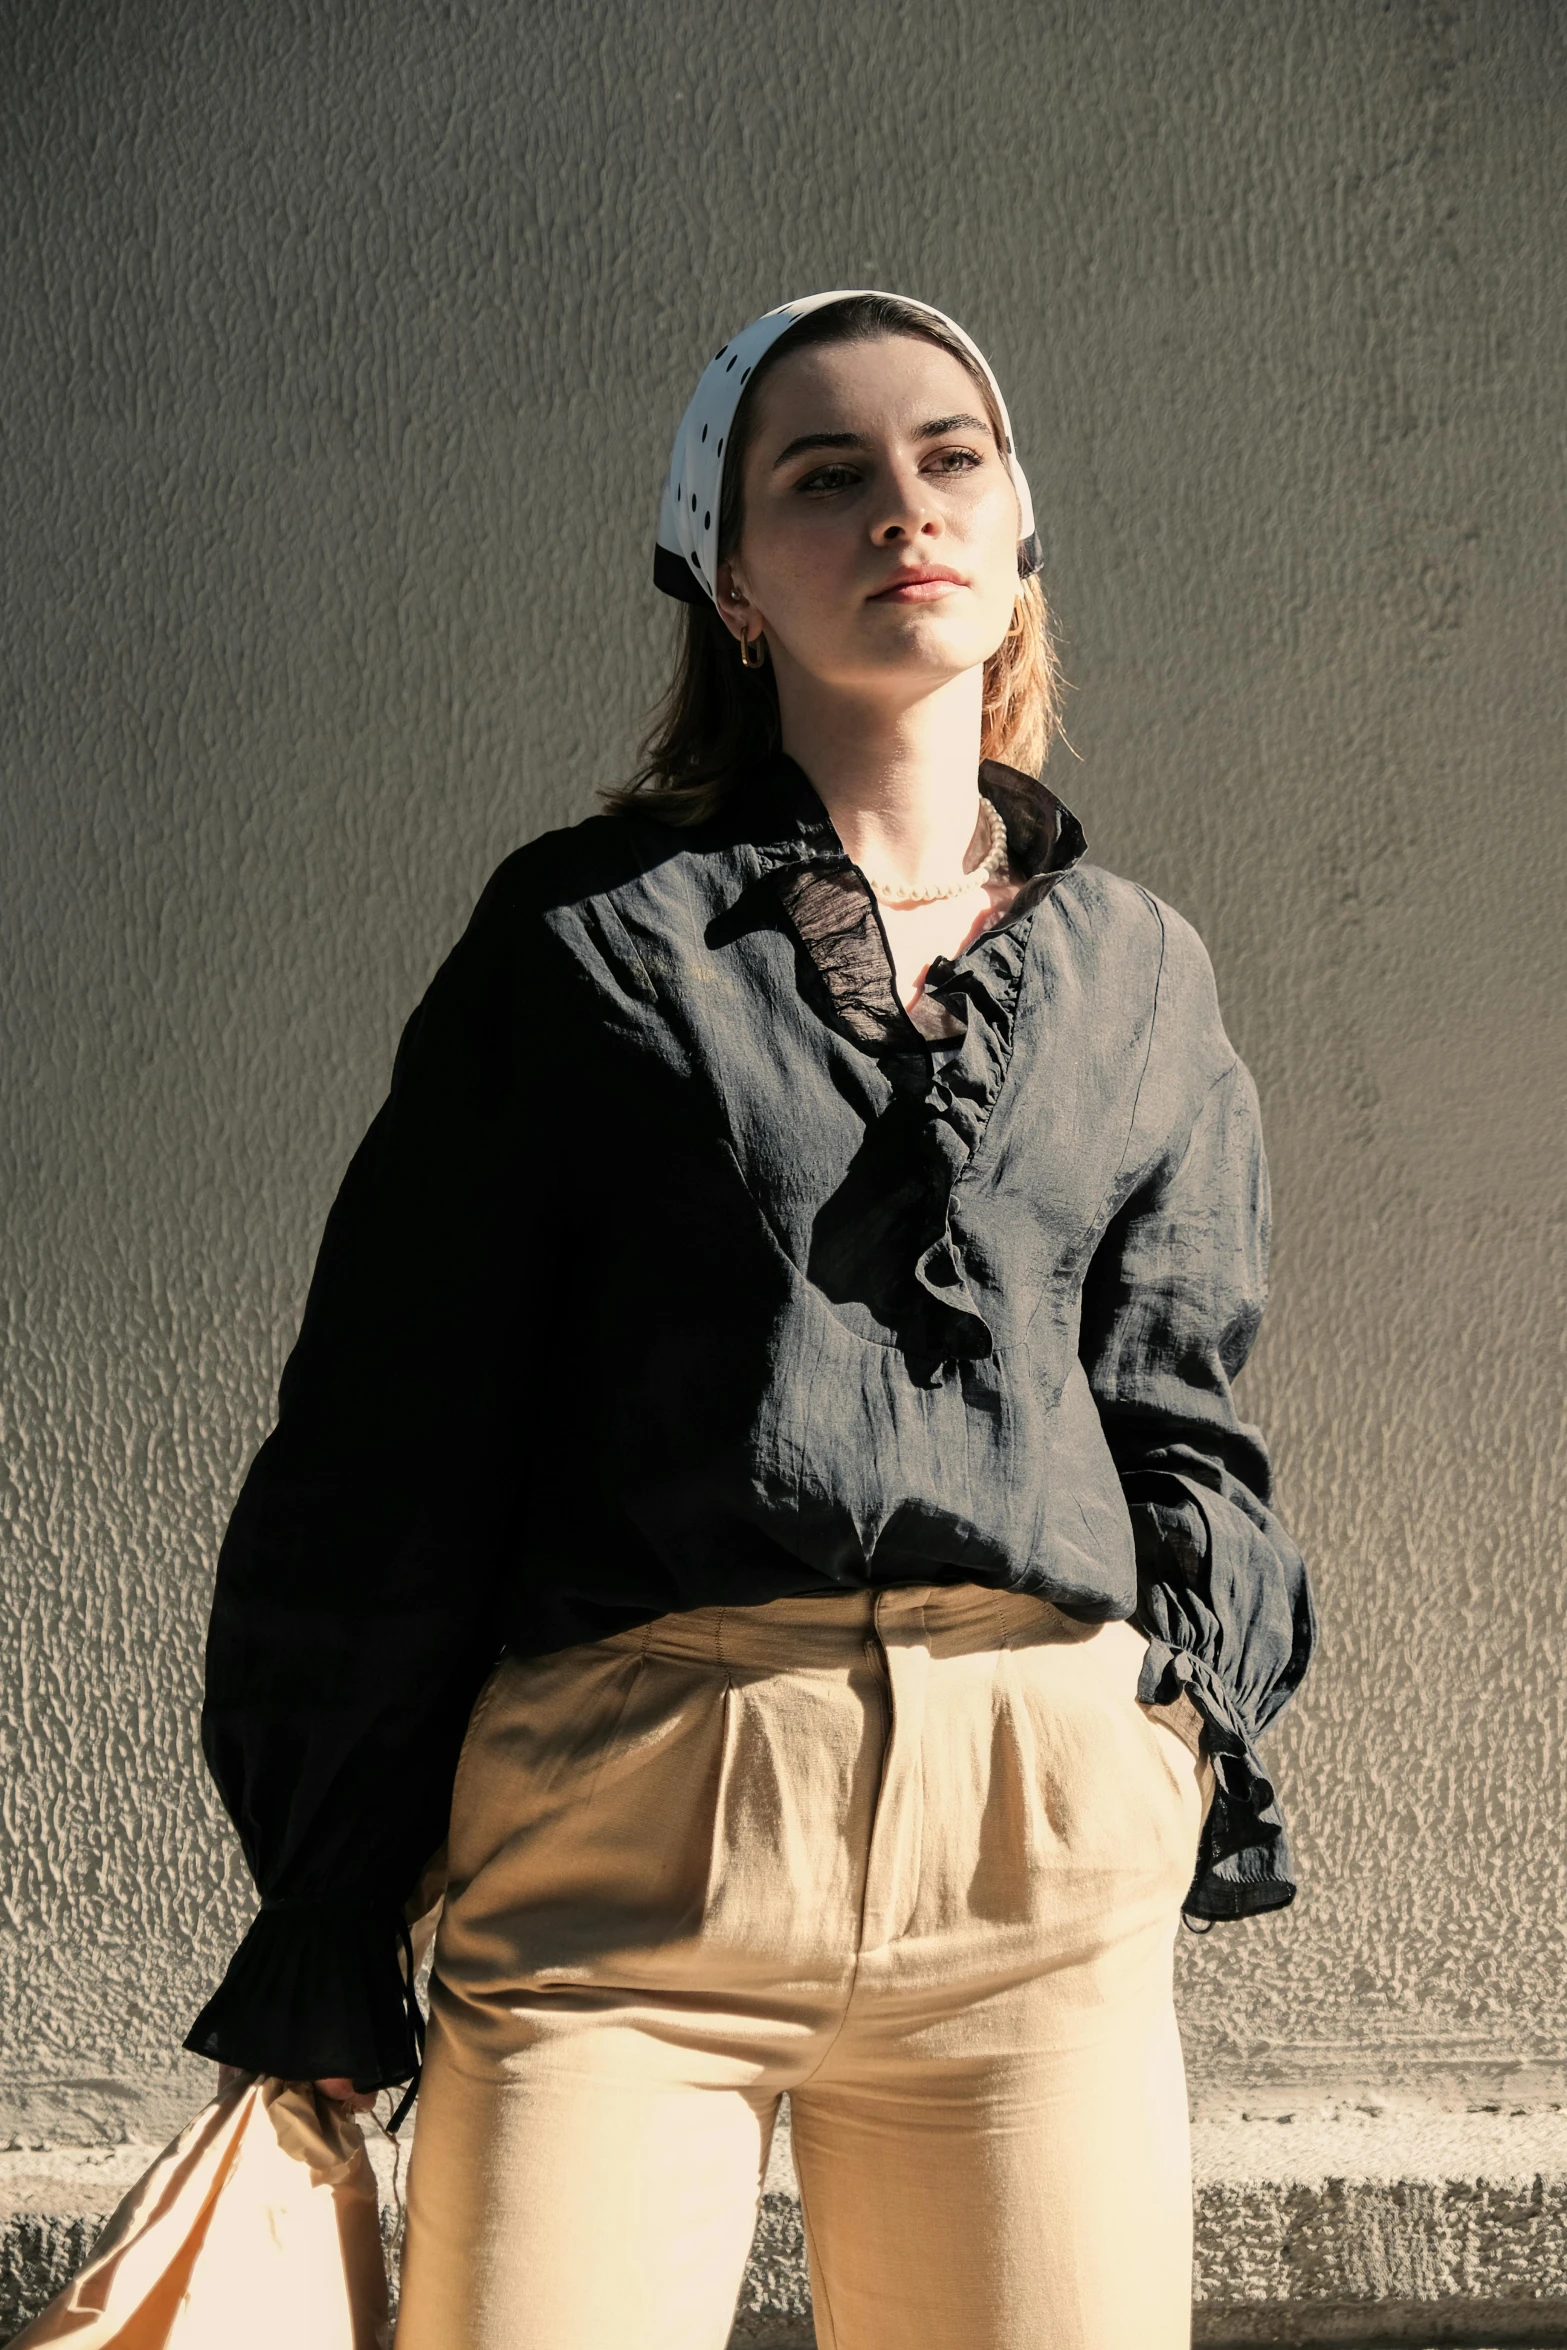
562, 866
1143, 942
1126, 916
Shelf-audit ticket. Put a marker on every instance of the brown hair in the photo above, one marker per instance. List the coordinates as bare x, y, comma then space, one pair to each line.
717, 718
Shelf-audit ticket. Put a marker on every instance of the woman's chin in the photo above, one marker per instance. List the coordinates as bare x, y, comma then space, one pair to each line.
918, 650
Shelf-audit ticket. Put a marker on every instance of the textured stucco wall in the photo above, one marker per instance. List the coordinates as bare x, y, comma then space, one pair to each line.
341, 349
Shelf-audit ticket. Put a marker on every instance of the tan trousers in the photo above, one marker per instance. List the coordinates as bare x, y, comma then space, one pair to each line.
914, 1856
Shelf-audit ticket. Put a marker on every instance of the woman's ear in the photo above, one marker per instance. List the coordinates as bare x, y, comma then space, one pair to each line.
735, 608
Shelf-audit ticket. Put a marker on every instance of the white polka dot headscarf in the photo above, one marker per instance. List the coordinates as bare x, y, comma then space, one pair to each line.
685, 560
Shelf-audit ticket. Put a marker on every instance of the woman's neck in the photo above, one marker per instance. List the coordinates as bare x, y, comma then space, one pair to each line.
900, 784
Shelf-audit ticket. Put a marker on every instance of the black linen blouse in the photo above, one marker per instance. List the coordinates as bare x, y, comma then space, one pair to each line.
682, 1266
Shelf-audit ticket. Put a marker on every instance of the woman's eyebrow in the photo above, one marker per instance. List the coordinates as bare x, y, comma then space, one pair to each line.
853, 440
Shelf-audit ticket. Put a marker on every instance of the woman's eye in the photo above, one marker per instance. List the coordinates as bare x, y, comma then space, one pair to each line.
824, 479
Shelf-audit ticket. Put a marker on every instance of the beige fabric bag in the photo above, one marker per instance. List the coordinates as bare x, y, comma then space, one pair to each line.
257, 2227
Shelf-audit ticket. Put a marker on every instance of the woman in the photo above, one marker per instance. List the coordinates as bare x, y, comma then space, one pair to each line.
785, 1310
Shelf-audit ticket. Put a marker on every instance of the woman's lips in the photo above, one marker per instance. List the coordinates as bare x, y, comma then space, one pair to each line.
916, 591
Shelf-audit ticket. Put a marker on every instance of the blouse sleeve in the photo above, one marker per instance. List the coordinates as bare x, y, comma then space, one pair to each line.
354, 1616
1171, 1306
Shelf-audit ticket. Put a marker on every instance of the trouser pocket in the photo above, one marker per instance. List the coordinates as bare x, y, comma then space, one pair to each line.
1121, 1788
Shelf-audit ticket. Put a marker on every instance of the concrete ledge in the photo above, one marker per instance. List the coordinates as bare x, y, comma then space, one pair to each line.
52, 2204
1362, 2226
1380, 2224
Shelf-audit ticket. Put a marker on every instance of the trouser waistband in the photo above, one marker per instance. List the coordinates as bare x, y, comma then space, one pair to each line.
831, 1628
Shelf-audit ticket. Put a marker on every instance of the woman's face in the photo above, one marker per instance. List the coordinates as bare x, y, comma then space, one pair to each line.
878, 551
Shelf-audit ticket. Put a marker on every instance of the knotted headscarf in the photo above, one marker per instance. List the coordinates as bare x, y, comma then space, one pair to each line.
685, 560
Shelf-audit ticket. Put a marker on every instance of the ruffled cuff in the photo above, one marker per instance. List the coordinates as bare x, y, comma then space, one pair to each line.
317, 1989
1243, 1862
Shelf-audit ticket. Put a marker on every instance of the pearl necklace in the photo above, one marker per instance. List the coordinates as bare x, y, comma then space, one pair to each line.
994, 861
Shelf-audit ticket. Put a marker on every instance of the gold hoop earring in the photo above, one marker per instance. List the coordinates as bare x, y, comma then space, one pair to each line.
1015, 625
746, 643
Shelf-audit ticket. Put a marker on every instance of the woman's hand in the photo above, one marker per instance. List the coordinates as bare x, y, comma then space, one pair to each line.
336, 2086
344, 2092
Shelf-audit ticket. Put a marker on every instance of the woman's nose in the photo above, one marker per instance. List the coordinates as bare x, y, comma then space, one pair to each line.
905, 521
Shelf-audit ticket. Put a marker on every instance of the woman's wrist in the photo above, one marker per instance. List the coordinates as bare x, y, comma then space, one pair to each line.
342, 2092
337, 2086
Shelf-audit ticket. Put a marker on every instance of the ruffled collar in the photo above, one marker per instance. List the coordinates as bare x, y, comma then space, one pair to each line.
938, 1103
834, 914
780, 814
